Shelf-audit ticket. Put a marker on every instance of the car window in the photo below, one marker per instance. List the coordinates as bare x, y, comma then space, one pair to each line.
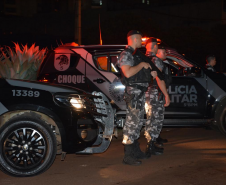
193, 71
102, 63
179, 70
114, 66
175, 68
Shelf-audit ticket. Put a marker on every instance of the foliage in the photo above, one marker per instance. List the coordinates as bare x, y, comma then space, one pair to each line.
20, 63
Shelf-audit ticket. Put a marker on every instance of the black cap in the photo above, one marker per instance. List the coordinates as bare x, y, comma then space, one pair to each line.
133, 32
151, 39
208, 56
160, 46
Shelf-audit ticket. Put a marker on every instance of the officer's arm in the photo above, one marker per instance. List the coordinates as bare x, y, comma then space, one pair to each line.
160, 69
162, 86
129, 71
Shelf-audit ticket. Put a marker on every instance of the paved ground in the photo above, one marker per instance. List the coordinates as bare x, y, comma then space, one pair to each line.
193, 156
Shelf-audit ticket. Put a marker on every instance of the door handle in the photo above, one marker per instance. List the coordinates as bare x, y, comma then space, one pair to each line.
99, 80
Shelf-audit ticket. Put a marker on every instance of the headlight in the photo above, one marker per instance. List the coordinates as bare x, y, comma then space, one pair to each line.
69, 100
77, 103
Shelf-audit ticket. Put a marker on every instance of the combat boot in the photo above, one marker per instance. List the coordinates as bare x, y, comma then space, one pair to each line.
160, 141
157, 148
151, 149
148, 150
137, 152
129, 157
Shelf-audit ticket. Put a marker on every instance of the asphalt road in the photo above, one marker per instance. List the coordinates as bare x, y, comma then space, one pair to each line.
193, 156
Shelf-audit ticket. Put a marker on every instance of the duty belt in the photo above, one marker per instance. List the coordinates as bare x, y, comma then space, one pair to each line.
136, 86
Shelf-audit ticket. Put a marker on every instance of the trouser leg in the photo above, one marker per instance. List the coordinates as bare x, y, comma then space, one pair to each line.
133, 125
134, 114
155, 116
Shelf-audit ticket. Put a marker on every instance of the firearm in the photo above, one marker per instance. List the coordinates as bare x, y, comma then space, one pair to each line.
148, 60
128, 98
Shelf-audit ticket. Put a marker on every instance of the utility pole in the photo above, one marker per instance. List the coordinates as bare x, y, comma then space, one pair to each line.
78, 21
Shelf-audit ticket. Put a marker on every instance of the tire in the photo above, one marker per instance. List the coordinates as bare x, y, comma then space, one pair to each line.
221, 118
27, 145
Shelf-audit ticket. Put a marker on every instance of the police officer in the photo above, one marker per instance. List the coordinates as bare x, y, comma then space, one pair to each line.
211, 62
154, 100
161, 53
133, 70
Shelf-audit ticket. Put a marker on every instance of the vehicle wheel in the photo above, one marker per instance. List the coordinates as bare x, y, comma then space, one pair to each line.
221, 119
27, 145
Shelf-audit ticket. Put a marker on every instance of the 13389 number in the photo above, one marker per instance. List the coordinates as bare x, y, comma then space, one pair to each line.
26, 93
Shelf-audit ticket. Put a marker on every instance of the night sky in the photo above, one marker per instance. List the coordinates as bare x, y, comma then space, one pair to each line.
195, 28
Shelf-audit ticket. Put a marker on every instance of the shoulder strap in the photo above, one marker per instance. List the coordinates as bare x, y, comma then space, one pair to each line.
129, 50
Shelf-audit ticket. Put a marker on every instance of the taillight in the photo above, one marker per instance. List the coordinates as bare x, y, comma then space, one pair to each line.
45, 78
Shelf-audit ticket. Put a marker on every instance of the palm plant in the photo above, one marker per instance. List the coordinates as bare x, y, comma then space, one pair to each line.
20, 63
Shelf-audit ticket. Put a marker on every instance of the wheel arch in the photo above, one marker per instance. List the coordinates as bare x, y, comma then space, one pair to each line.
219, 112
48, 116
217, 106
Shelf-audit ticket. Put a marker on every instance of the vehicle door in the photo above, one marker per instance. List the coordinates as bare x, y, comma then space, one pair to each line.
65, 67
187, 91
102, 74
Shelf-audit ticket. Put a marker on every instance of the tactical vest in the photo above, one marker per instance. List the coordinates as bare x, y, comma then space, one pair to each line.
143, 76
167, 76
154, 82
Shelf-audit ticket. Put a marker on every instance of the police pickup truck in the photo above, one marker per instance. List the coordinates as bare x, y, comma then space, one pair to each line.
38, 121
198, 96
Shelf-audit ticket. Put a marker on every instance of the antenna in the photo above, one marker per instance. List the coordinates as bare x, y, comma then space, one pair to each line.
61, 42
100, 31
57, 43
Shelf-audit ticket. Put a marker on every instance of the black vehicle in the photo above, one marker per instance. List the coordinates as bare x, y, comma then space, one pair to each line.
198, 96
38, 121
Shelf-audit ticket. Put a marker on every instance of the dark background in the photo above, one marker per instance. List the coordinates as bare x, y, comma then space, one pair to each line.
195, 28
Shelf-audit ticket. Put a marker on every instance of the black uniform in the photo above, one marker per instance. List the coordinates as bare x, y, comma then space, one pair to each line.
211, 68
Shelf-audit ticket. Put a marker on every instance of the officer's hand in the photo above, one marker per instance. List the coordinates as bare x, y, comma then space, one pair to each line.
154, 74
146, 65
167, 99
